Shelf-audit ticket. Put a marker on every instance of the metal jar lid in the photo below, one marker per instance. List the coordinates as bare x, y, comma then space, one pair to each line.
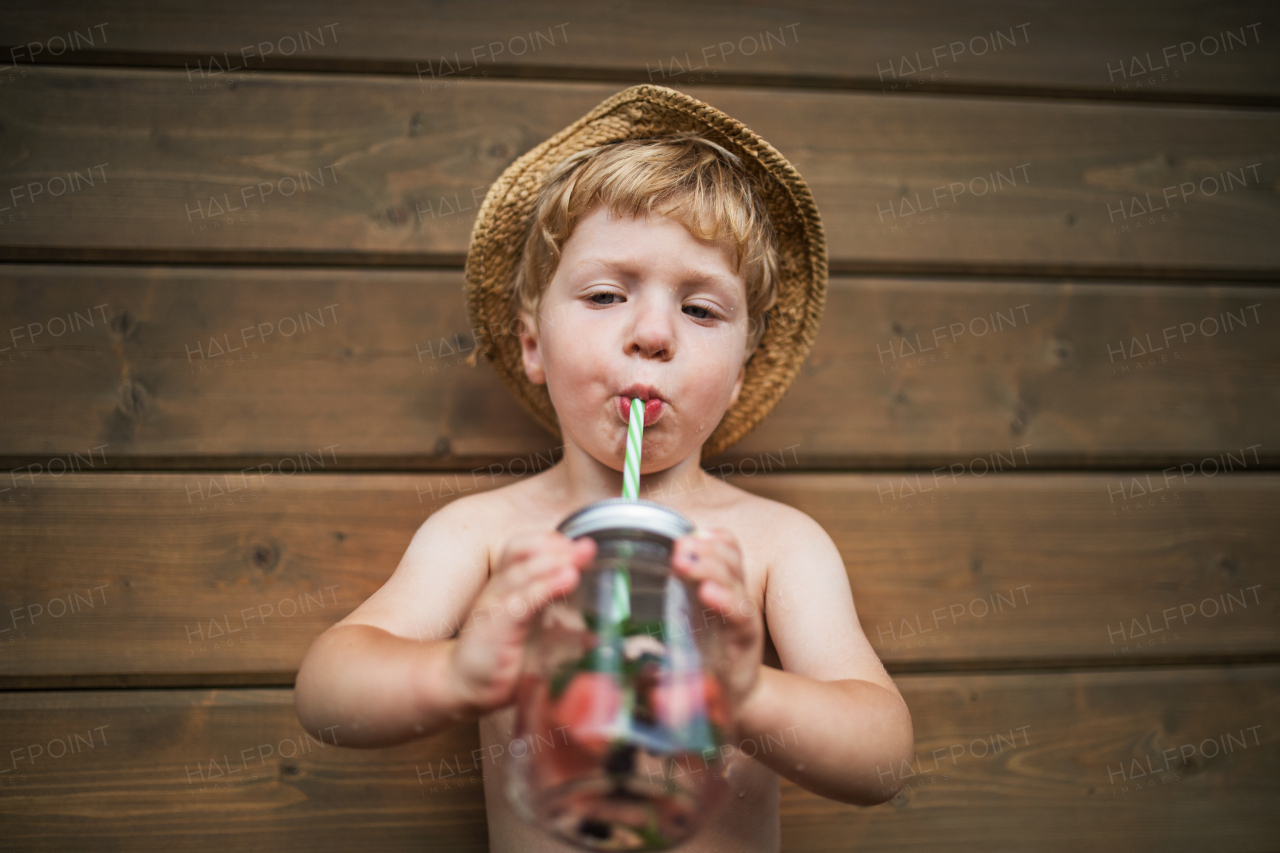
623, 514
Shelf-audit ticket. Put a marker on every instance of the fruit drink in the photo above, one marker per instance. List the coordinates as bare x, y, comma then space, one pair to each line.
623, 718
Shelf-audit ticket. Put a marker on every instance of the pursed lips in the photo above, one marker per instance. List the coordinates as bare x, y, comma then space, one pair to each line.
653, 409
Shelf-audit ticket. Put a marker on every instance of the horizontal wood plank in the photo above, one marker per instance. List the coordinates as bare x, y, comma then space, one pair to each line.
947, 572
1049, 761
382, 168
1085, 49
919, 373
183, 770
177, 573
235, 367
1060, 787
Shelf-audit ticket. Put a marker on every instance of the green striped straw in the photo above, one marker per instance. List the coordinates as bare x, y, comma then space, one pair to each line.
630, 489
631, 465
620, 603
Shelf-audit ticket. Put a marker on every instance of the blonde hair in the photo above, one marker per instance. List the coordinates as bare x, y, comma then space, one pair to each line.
685, 176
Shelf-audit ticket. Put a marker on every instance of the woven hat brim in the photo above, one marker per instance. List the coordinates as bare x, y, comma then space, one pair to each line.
641, 112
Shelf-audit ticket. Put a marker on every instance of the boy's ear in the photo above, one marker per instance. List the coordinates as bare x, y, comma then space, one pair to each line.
737, 385
529, 351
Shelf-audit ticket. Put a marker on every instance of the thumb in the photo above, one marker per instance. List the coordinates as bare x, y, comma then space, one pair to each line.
584, 551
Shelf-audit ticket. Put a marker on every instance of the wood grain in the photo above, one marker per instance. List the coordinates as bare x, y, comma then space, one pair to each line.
946, 571
184, 770
233, 367
1008, 569
924, 373
1057, 634
213, 362
1044, 50
1060, 787
397, 171
1042, 761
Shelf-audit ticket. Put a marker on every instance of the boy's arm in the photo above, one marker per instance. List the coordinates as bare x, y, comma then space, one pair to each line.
844, 724
383, 674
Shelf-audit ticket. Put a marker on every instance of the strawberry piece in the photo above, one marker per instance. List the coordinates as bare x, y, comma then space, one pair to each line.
679, 699
553, 757
587, 709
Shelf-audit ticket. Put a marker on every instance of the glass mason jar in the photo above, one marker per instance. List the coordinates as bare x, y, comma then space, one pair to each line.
620, 705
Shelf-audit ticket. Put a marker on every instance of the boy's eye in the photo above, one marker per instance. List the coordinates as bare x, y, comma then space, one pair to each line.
610, 296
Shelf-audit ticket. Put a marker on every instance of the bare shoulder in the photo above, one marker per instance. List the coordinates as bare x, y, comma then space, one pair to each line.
483, 521
785, 520
445, 566
768, 531
808, 601
472, 516
777, 530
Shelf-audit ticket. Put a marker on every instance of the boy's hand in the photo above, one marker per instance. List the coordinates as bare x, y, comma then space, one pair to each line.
533, 569
713, 558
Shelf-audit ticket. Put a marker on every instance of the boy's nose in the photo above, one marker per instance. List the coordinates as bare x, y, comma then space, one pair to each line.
652, 332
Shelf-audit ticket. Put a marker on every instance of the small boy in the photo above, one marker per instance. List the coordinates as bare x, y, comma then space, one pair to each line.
637, 253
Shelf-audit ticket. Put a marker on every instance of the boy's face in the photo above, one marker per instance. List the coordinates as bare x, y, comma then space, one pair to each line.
639, 302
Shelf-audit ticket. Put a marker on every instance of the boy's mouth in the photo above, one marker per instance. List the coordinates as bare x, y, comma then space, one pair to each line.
654, 406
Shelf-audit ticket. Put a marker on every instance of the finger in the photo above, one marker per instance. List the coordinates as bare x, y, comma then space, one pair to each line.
724, 543
519, 605
720, 605
734, 606
550, 588
726, 593
551, 566
575, 556
701, 560
696, 567
718, 577
545, 554
534, 571
561, 557
584, 551
718, 541
525, 546
568, 562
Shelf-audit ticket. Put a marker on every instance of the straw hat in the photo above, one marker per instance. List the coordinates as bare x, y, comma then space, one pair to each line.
641, 112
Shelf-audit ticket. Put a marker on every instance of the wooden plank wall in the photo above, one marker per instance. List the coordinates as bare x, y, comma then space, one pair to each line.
1043, 402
